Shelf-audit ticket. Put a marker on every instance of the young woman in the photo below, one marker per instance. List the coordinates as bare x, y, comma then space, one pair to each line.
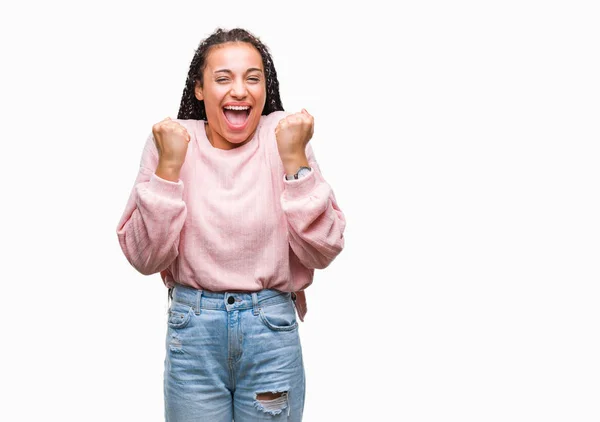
230, 206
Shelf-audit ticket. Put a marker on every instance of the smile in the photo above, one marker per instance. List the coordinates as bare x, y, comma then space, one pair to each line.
236, 116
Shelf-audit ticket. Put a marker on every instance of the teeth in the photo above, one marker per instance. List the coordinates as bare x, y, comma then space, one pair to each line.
237, 107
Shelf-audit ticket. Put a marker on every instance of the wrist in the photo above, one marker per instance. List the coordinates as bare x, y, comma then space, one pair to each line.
292, 164
168, 172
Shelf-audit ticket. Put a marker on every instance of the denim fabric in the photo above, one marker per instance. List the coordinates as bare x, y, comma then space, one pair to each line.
219, 356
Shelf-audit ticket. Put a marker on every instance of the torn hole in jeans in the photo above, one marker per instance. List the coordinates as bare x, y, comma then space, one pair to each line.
272, 402
175, 344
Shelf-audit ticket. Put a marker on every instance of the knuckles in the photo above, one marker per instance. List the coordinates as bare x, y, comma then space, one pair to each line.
165, 127
293, 121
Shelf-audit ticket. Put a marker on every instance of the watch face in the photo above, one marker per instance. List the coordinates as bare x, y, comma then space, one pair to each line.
303, 171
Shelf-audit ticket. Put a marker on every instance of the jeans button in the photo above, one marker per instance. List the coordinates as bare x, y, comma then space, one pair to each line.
230, 300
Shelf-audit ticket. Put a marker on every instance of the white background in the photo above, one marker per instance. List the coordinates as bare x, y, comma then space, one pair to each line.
461, 141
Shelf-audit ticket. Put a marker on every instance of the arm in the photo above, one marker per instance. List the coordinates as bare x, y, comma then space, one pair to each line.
315, 222
149, 228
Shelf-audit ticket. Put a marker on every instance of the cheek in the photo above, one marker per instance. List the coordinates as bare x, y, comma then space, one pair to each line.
212, 109
259, 93
214, 94
212, 102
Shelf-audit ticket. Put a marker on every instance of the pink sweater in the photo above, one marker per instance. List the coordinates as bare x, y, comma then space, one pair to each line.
232, 221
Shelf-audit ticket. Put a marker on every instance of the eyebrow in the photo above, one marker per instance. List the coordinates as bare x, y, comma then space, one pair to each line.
252, 69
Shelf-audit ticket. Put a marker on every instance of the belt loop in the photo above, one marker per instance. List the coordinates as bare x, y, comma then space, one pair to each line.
255, 303
198, 301
169, 298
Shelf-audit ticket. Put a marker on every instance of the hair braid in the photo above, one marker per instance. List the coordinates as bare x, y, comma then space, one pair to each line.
192, 108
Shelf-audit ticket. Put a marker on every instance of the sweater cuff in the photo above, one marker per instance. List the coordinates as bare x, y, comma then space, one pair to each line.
300, 187
162, 187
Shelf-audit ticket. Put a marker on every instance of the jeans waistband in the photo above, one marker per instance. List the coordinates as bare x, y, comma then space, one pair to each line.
204, 299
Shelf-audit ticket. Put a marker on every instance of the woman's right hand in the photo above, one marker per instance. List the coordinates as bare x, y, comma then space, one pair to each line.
171, 140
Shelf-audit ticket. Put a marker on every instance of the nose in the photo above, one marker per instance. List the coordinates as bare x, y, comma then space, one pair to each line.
238, 89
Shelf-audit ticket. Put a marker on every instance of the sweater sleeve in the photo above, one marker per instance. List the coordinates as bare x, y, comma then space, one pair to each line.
315, 221
150, 226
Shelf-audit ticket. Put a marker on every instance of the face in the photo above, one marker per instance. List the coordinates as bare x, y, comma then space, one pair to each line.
234, 93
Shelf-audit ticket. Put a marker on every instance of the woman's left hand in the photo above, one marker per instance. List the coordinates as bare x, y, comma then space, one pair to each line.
293, 133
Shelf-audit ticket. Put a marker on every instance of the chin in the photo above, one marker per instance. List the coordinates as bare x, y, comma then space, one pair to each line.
239, 137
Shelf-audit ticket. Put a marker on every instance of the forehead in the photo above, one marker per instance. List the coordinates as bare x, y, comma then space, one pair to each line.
233, 56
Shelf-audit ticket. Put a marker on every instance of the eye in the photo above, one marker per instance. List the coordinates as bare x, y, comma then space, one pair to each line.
221, 80
254, 79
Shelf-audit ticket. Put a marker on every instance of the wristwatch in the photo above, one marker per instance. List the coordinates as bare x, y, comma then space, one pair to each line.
302, 171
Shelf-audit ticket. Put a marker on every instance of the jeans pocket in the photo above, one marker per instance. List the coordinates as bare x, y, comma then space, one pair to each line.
279, 316
179, 315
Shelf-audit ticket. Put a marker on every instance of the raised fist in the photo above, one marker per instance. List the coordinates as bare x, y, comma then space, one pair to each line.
171, 140
293, 133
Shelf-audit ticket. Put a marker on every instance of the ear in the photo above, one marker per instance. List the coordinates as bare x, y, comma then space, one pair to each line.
198, 91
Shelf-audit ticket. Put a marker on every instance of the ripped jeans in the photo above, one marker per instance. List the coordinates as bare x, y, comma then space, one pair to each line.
232, 356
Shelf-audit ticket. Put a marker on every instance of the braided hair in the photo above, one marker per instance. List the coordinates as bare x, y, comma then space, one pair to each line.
192, 108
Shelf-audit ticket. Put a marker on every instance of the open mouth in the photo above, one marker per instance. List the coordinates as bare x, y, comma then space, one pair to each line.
237, 116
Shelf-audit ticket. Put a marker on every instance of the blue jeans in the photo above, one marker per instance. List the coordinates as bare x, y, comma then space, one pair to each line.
224, 349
